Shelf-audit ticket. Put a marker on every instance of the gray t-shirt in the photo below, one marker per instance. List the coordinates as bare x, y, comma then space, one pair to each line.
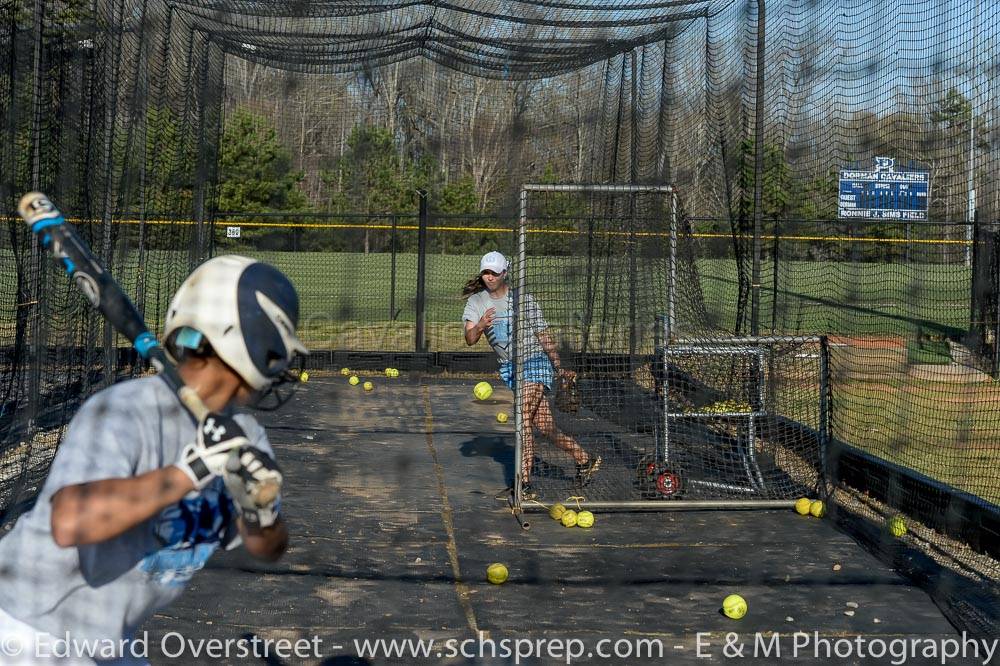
500, 334
108, 590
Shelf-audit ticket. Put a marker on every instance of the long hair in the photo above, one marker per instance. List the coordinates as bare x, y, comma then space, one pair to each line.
473, 286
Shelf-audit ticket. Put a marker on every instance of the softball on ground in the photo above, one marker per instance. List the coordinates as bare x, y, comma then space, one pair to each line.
388, 372
585, 519
353, 381
368, 386
496, 573
897, 526
817, 508
502, 417
304, 377
569, 518
395, 372
345, 371
482, 391
557, 511
802, 506
734, 606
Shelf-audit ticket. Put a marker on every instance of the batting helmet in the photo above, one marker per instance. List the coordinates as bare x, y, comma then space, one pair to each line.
246, 310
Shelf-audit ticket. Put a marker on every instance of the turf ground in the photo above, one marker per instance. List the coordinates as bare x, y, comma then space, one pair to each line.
390, 500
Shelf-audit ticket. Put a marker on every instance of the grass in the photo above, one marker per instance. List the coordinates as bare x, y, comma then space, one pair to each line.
341, 288
814, 297
947, 431
950, 432
924, 351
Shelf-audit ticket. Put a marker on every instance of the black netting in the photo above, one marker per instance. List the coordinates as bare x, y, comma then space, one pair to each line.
674, 407
374, 150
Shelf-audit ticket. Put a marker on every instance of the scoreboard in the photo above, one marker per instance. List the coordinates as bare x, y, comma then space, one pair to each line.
884, 193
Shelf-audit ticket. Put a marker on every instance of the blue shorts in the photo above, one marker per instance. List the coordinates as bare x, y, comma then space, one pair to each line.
537, 370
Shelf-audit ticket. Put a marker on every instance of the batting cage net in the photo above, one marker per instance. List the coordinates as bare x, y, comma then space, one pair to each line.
649, 401
375, 151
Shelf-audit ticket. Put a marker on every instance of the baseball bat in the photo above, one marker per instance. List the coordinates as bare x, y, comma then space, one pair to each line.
106, 295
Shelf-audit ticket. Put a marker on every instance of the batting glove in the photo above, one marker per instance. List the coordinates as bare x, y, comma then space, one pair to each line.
254, 482
205, 459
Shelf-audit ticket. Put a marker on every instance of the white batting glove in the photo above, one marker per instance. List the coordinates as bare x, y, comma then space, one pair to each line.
254, 482
205, 459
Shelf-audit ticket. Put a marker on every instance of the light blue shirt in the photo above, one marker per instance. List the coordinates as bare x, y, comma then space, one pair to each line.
108, 590
501, 334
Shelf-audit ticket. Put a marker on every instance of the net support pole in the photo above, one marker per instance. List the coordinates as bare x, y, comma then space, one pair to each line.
633, 269
392, 272
201, 167
971, 169
672, 505
978, 283
37, 311
522, 281
993, 301
824, 407
758, 183
672, 278
421, 342
668, 327
111, 62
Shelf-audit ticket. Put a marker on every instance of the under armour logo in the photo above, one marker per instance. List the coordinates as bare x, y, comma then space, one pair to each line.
215, 432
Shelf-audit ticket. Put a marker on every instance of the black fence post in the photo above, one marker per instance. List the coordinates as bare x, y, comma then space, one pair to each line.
776, 266
421, 342
980, 279
825, 417
392, 272
995, 302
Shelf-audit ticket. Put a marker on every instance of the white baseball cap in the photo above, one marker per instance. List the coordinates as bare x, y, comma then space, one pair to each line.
493, 261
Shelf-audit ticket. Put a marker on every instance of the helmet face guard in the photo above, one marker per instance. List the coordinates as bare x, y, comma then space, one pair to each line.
281, 389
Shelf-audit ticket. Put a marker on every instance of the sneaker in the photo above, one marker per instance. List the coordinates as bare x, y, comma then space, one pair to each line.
586, 471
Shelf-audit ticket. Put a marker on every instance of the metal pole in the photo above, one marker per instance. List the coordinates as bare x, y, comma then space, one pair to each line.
971, 184
775, 267
37, 311
36, 112
747, 341
758, 186
665, 393
671, 505
824, 405
522, 282
112, 53
668, 327
633, 270
977, 292
392, 272
201, 167
672, 283
421, 342
994, 283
